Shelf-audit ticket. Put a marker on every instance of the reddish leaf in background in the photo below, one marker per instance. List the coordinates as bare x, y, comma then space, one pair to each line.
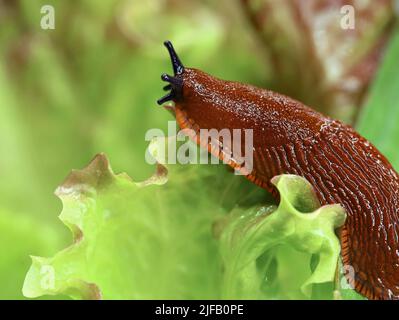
313, 58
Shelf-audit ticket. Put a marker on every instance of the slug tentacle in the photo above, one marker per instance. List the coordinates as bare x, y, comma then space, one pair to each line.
175, 86
175, 82
178, 67
168, 97
167, 87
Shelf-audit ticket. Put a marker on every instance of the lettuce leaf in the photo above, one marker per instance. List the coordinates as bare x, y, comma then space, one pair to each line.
268, 251
188, 232
139, 240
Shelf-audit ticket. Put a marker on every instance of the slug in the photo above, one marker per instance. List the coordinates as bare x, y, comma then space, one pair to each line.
289, 137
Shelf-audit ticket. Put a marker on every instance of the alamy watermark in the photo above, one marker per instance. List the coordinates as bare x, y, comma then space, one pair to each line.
234, 147
47, 281
348, 280
47, 21
348, 20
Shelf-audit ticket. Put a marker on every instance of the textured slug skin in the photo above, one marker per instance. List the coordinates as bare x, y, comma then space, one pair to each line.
342, 166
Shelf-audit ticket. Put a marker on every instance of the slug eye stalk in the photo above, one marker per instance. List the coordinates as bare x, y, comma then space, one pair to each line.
175, 82
178, 67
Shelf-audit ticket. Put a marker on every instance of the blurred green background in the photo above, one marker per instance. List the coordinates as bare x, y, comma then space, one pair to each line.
90, 86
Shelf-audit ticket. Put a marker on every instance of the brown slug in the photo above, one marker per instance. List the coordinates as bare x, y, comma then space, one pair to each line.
289, 137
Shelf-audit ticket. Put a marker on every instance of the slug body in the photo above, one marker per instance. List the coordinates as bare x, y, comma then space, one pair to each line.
289, 137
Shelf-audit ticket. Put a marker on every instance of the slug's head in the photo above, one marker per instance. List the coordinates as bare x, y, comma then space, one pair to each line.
175, 83
203, 101
197, 95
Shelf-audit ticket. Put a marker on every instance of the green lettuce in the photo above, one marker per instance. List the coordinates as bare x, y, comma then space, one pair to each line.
268, 251
189, 232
